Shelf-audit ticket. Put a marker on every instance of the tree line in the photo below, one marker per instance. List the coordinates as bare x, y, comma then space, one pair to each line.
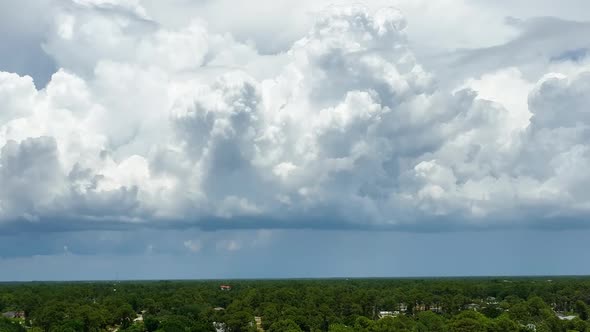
337, 305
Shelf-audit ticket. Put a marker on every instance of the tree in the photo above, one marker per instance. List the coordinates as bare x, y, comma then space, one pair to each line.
8, 326
240, 321
52, 314
398, 324
491, 311
340, 328
363, 324
150, 306
469, 321
136, 327
69, 326
125, 315
504, 324
577, 324
285, 325
467, 325
428, 321
581, 309
151, 323
295, 305
92, 318
172, 326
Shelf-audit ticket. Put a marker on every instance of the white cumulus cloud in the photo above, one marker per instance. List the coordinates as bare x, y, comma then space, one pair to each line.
155, 124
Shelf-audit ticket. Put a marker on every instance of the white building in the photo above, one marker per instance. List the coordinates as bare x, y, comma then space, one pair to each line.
383, 314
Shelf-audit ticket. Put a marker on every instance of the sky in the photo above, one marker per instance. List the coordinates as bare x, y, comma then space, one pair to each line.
143, 139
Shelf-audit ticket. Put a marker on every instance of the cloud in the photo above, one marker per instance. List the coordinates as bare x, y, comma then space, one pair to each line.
228, 245
152, 125
30, 176
538, 42
193, 246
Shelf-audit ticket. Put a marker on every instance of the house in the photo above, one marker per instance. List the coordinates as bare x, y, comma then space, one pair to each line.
14, 314
472, 306
403, 307
419, 307
383, 314
491, 300
225, 287
436, 308
564, 317
258, 321
531, 327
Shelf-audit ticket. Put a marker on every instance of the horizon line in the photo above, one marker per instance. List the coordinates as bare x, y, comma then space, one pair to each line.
531, 276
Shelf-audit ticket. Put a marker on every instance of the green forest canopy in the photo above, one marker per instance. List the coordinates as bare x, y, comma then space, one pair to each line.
472, 304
